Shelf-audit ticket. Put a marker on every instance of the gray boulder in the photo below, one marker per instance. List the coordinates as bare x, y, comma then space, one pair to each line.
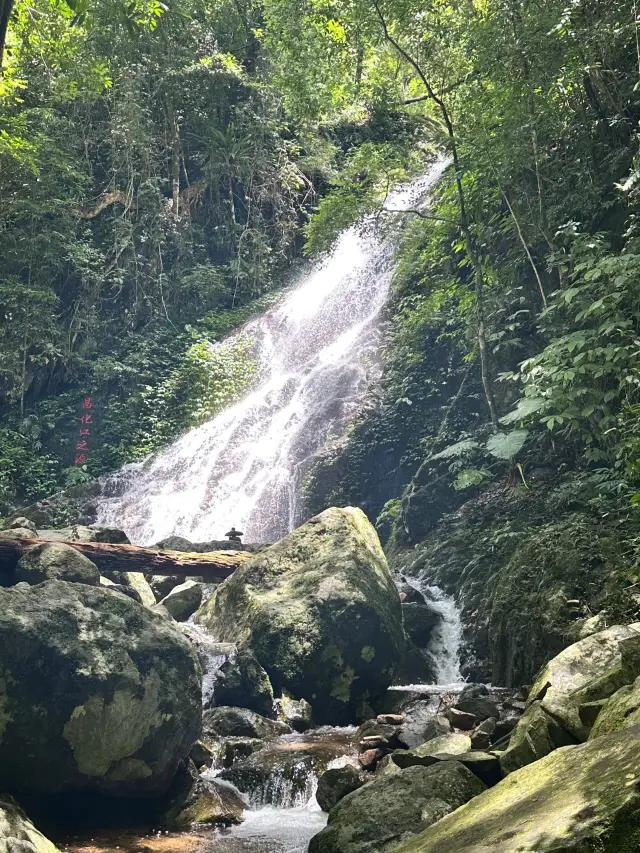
54, 561
336, 783
96, 693
243, 683
320, 611
17, 833
296, 713
380, 815
183, 600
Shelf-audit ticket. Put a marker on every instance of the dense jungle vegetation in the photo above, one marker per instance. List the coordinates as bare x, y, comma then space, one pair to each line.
162, 166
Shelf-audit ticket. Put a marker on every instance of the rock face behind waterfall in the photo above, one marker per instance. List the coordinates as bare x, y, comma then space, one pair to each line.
320, 611
96, 692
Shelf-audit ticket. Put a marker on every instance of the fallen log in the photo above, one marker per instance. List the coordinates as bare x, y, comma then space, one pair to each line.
214, 566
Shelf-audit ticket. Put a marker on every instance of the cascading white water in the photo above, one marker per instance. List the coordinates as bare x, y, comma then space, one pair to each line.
446, 640
318, 355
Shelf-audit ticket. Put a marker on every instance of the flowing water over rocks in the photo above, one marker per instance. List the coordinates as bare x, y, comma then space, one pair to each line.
318, 354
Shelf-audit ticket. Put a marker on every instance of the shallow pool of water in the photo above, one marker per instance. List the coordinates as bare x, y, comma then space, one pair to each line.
271, 830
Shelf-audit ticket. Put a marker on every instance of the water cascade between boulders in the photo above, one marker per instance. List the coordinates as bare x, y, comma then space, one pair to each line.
309, 698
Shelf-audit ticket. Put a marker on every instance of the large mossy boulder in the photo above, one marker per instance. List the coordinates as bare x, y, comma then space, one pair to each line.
17, 833
55, 561
380, 815
96, 692
320, 611
586, 672
579, 799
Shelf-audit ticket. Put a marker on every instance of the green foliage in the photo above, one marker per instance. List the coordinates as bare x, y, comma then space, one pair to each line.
506, 446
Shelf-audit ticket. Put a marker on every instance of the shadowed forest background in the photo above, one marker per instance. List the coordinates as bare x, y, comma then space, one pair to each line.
163, 168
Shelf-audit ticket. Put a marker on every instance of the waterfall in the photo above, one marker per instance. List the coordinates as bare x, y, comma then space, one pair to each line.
447, 636
446, 640
317, 353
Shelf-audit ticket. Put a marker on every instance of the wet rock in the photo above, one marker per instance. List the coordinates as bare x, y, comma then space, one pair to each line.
621, 711
419, 622
296, 713
241, 682
235, 749
417, 666
320, 612
587, 671
161, 585
536, 735
375, 818
369, 758
17, 833
438, 749
411, 594
211, 802
336, 783
241, 722
183, 600
193, 800
201, 754
96, 693
578, 799
55, 561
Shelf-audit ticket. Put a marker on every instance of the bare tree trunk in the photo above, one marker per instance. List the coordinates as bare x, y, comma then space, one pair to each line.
6, 7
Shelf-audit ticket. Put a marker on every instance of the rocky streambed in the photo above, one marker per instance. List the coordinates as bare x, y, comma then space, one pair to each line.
154, 715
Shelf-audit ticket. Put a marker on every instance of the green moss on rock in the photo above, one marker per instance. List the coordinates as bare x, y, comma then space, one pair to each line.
308, 607
579, 799
98, 693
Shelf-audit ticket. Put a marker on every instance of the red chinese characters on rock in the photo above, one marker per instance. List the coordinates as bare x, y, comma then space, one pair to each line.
86, 422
